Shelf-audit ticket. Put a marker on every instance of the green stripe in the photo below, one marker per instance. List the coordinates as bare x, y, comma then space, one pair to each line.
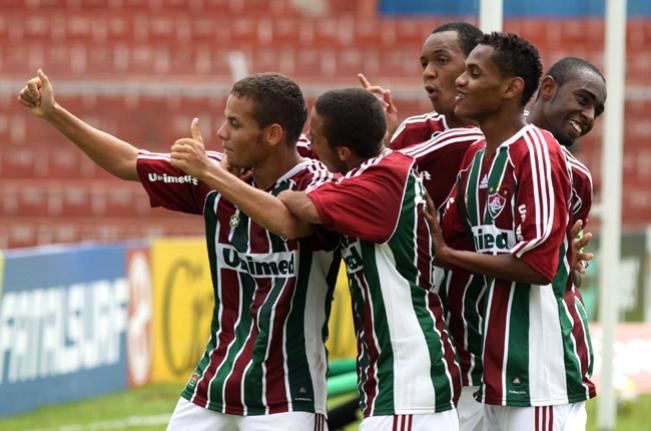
584, 320
517, 363
573, 375
472, 318
472, 189
300, 379
403, 246
384, 401
240, 235
242, 333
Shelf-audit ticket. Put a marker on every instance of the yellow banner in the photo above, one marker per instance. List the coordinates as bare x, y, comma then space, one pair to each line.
341, 344
183, 306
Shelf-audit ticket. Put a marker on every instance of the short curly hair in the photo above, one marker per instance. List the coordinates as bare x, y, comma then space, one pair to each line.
514, 56
467, 34
277, 99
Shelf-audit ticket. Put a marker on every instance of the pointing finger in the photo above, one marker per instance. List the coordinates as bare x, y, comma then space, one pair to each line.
363, 80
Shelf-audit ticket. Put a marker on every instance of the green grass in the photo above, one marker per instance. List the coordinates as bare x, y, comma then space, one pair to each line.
160, 399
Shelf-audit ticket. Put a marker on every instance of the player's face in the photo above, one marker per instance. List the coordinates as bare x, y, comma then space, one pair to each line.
327, 155
240, 134
442, 61
576, 104
479, 86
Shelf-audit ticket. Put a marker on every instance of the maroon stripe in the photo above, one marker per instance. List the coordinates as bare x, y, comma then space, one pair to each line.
537, 419
230, 301
395, 423
458, 284
224, 212
409, 425
275, 364
551, 418
494, 341
233, 383
578, 332
258, 240
435, 307
370, 385
544, 417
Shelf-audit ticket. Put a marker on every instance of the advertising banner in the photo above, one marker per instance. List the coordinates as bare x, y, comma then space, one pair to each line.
63, 322
182, 307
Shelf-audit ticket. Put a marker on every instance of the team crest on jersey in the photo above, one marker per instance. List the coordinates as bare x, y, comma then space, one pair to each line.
193, 380
234, 221
496, 202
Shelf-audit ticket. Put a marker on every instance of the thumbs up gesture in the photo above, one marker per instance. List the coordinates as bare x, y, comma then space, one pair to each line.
37, 95
189, 154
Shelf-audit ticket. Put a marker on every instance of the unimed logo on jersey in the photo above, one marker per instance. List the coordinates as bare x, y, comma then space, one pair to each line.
257, 264
491, 239
172, 179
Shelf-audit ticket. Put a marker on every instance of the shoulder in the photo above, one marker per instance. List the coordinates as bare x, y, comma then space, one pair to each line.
534, 142
451, 138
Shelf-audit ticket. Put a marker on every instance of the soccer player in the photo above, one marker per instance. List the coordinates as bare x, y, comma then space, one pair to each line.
511, 200
408, 377
265, 364
571, 97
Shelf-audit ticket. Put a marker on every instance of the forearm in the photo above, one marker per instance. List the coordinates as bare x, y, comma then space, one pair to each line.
264, 208
502, 266
115, 156
301, 206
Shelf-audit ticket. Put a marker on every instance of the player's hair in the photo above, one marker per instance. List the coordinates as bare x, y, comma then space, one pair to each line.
567, 65
514, 56
276, 99
353, 118
467, 34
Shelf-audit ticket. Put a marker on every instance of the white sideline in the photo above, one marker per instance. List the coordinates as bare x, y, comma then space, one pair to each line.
131, 421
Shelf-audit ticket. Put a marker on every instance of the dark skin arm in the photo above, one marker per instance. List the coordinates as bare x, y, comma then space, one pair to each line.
502, 266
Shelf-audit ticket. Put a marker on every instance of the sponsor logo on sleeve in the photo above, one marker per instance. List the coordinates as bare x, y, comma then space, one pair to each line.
172, 179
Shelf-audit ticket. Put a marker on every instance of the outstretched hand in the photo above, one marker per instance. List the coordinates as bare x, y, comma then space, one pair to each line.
390, 109
38, 96
189, 154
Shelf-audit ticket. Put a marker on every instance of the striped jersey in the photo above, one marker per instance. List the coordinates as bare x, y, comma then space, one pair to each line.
272, 298
581, 200
418, 128
405, 360
533, 351
461, 292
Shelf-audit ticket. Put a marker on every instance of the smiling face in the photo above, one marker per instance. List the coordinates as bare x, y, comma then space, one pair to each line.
442, 60
480, 86
241, 136
571, 108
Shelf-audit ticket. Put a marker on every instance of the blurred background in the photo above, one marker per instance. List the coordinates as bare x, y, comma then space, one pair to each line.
141, 70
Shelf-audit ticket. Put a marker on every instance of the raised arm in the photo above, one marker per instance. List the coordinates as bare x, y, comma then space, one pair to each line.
115, 156
268, 211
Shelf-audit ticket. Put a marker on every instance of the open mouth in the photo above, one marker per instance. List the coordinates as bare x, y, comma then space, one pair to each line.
459, 97
431, 91
578, 129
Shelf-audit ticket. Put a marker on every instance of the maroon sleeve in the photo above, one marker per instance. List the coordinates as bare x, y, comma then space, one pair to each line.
168, 186
541, 203
582, 194
366, 203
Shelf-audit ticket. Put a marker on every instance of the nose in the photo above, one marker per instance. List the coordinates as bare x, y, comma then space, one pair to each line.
461, 81
430, 71
588, 115
222, 132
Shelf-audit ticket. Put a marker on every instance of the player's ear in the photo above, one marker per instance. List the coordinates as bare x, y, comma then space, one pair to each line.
273, 134
344, 153
513, 87
548, 88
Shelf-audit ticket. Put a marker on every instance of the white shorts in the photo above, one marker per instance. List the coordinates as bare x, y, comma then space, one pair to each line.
565, 417
471, 411
190, 417
444, 421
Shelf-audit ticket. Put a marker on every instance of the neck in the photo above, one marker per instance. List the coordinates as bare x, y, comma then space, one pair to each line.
500, 127
536, 116
267, 172
453, 121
